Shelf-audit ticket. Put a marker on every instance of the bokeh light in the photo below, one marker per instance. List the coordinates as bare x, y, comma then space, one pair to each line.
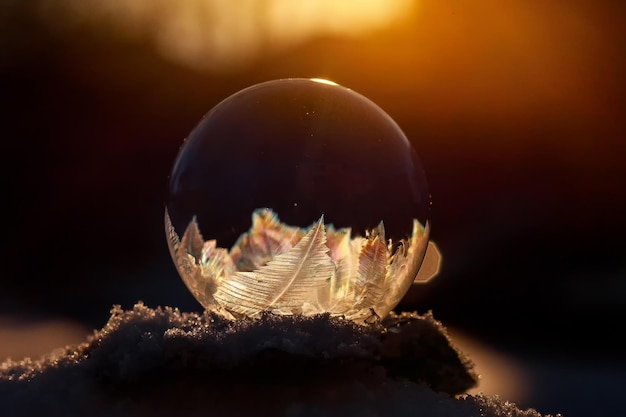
223, 35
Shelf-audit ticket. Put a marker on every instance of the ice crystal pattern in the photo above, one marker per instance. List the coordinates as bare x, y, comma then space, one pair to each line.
289, 270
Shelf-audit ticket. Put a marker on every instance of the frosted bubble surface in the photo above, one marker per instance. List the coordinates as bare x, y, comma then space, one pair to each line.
298, 196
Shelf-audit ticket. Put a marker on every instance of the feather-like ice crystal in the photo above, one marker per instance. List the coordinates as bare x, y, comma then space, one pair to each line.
287, 270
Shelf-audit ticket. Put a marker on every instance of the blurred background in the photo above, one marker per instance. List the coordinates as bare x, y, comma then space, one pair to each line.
517, 110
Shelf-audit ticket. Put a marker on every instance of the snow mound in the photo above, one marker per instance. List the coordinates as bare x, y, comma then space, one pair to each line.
161, 362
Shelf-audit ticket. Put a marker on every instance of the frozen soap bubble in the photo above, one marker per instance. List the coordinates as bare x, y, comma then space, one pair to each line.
298, 196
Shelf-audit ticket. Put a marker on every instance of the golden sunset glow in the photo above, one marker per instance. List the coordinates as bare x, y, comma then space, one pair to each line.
475, 60
222, 34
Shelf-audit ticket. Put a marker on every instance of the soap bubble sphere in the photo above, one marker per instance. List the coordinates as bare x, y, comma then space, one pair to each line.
298, 196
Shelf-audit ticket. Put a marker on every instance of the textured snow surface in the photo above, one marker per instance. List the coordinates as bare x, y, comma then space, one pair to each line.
160, 362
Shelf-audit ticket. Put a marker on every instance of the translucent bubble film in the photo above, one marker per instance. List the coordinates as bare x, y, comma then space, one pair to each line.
298, 196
